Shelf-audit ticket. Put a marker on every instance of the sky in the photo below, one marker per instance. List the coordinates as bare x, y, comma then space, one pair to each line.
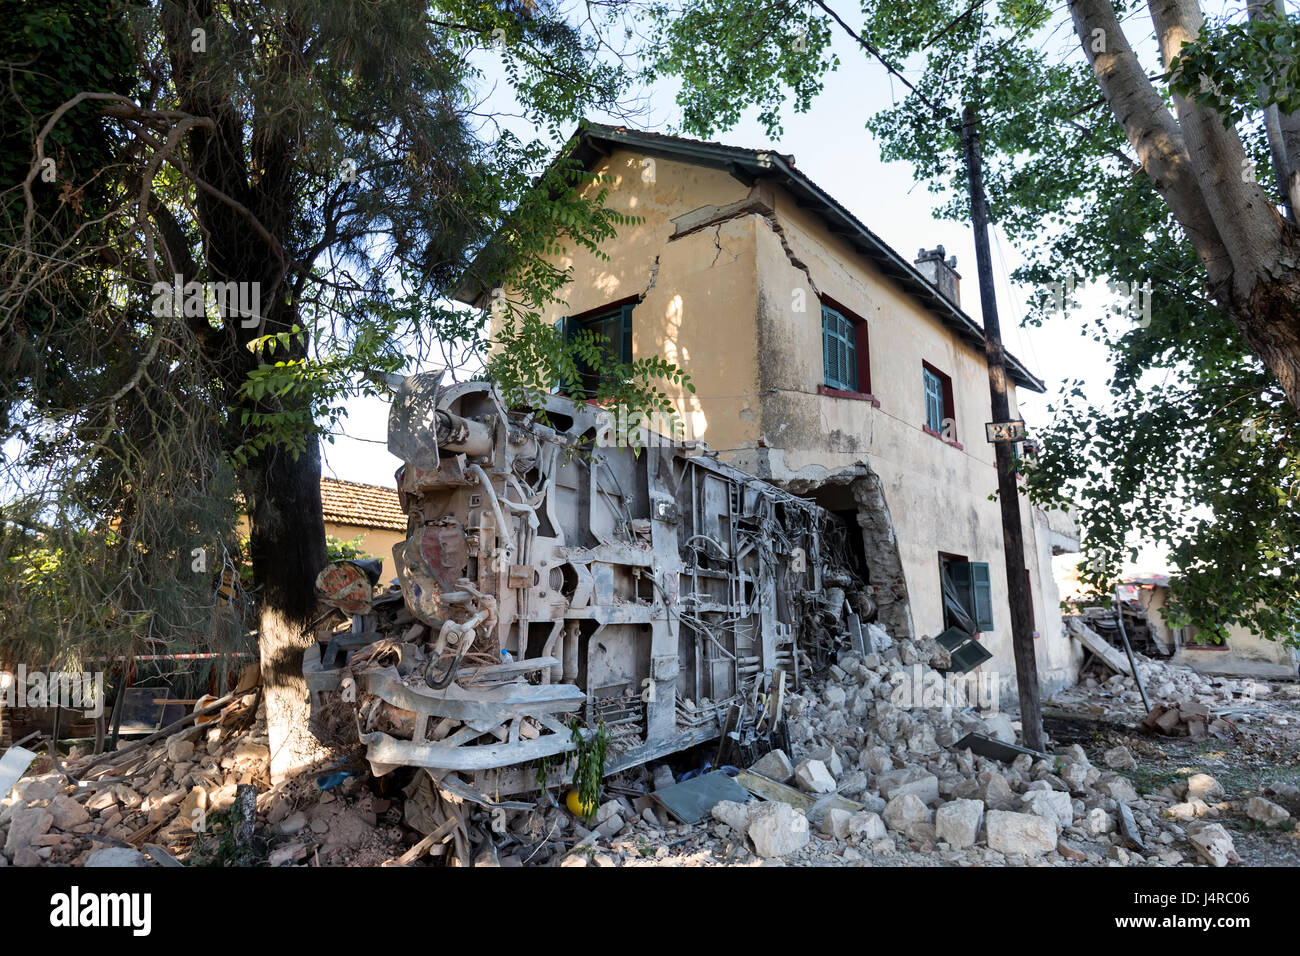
832, 146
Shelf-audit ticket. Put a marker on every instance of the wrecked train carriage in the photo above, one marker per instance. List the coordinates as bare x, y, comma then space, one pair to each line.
559, 572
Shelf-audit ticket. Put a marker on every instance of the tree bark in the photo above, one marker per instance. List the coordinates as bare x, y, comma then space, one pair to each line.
288, 549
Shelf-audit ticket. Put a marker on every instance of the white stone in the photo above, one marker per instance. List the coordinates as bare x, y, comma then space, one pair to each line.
179, 750
68, 813
957, 822
1113, 785
1025, 834
1054, 805
117, 856
1201, 786
248, 751
876, 760
911, 780
866, 827
831, 757
904, 812
1213, 845
835, 823
813, 777
733, 814
25, 826
1099, 822
1266, 811
774, 765
1119, 758
1075, 775
998, 795
777, 829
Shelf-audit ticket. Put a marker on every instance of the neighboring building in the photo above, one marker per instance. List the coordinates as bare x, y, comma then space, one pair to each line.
370, 512
1243, 654
824, 362
353, 510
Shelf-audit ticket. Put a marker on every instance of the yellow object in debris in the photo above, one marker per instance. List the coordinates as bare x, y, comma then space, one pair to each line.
576, 807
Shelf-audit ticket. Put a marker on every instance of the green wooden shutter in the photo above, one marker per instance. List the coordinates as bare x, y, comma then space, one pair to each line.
625, 339
960, 575
933, 401
839, 351
971, 579
982, 593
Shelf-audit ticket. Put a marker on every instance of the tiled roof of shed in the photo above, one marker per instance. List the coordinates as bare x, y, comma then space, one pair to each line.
367, 506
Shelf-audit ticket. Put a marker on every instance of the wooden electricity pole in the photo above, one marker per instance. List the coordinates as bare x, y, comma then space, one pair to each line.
1013, 538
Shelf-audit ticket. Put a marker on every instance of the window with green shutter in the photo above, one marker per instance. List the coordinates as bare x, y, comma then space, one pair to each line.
974, 587
614, 324
839, 350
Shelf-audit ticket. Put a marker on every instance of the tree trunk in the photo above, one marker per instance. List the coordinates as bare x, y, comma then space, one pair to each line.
1269, 320
288, 549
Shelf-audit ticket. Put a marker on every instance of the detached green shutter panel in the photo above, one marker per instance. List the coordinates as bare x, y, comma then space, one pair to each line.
982, 591
959, 573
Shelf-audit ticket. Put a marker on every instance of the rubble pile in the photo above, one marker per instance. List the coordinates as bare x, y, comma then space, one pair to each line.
875, 779
166, 800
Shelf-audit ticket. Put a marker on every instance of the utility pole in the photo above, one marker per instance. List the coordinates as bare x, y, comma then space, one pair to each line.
1013, 538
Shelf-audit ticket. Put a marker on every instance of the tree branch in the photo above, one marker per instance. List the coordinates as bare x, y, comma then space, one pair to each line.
1154, 134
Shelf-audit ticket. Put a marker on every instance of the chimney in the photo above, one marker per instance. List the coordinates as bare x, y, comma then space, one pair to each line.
941, 272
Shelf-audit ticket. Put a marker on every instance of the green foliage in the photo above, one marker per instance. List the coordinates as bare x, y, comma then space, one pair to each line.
588, 756
735, 54
1236, 69
339, 550
217, 846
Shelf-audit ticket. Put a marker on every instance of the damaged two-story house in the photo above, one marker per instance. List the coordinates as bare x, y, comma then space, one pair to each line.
824, 362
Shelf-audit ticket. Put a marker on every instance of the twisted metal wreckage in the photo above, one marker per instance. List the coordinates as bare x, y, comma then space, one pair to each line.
553, 571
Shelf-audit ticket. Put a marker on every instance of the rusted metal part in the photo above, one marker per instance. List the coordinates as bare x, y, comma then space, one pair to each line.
346, 586
568, 574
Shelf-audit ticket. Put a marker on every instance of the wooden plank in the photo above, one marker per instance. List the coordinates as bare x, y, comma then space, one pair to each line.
769, 789
425, 845
1094, 642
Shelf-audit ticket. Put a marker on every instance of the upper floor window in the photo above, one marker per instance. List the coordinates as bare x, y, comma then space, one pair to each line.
940, 417
844, 351
614, 324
